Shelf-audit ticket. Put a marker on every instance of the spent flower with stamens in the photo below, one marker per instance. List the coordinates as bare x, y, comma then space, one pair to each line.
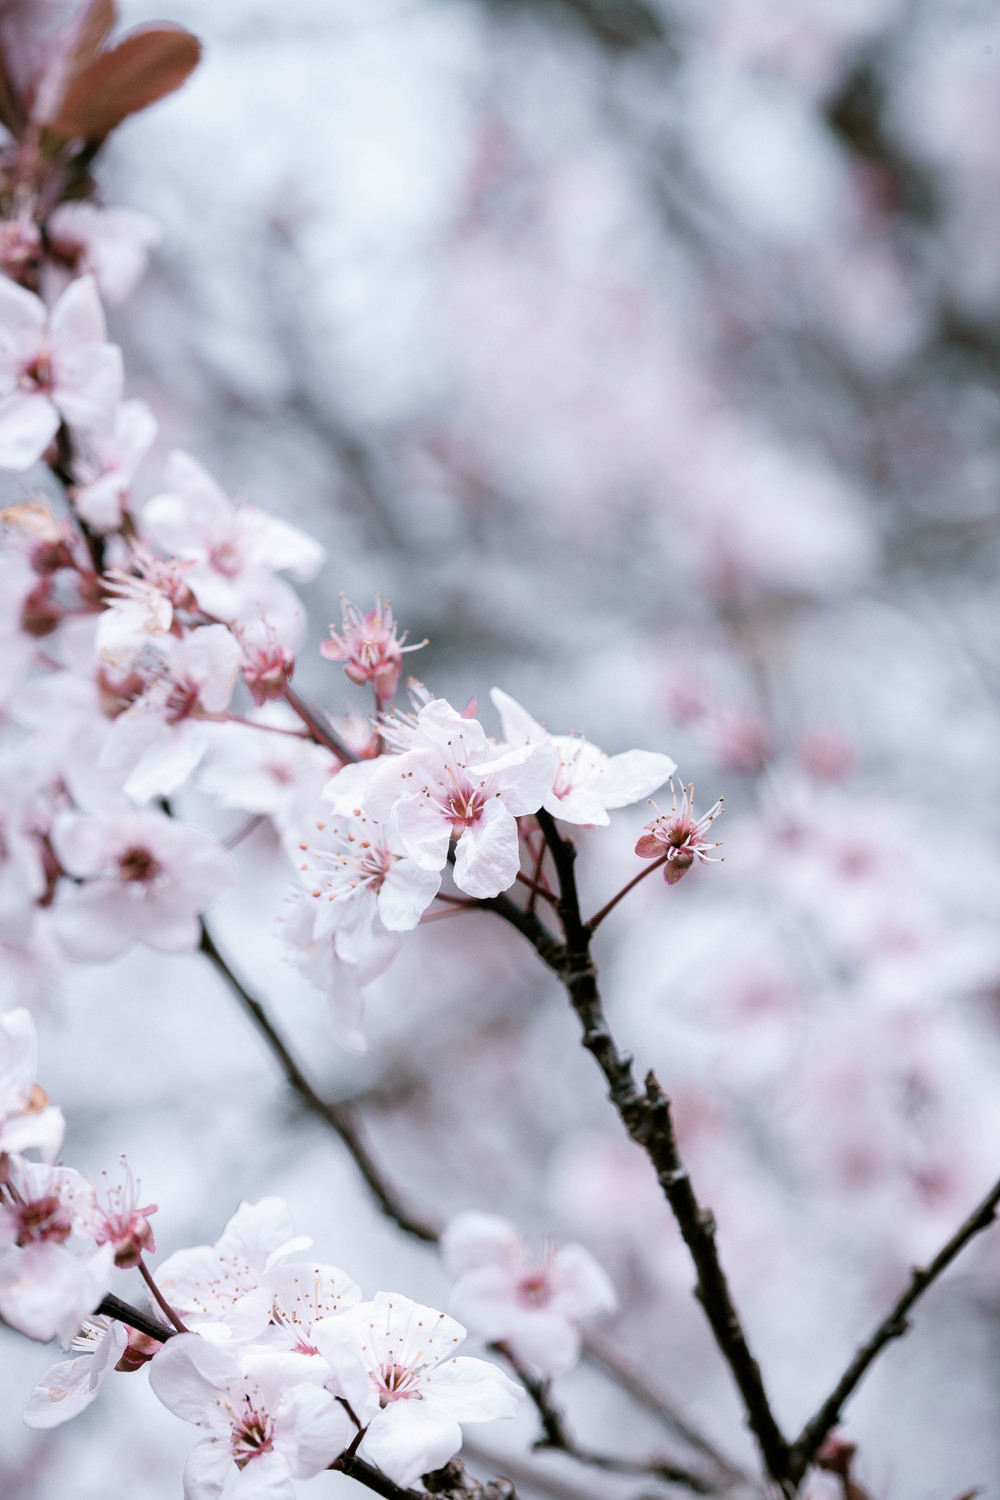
118, 1219
369, 647
678, 836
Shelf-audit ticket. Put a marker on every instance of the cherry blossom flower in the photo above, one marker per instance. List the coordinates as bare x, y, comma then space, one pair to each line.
393, 1361
368, 646
107, 464
453, 784
260, 1412
53, 367
504, 1294
118, 1220
69, 1387
678, 835
27, 1120
234, 550
140, 609
220, 1290
267, 669
160, 738
264, 765
112, 243
587, 783
365, 888
47, 1286
143, 878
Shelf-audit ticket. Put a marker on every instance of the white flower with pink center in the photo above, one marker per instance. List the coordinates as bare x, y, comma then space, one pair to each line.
69, 1387
533, 1305
266, 765
28, 1122
160, 738
51, 1274
364, 888
111, 243
587, 783
454, 785
54, 367
221, 1291
141, 878
260, 1411
394, 1361
105, 468
234, 550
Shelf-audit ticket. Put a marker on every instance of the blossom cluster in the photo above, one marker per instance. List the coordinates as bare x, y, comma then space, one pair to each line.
282, 1363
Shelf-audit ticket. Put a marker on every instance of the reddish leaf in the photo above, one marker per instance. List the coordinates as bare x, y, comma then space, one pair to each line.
95, 24
146, 65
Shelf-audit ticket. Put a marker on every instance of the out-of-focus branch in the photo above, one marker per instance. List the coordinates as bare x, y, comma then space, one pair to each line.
647, 1118
338, 1116
611, 1365
892, 1326
319, 727
556, 1434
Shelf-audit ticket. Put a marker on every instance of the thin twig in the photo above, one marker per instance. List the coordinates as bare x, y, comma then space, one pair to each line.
598, 918
893, 1326
159, 1298
337, 1115
646, 1116
556, 1435
611, 1364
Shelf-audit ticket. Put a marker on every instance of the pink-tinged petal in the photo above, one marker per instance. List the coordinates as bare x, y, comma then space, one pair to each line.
88, 386
392, 778
648, 847
423, 832
338, 1340
581, 805
525, 776
519, 728
472, 1390
78, 317
409, 1438
407, 891
23, 316
28, 423
259, 1233
313, 1429
62, 1393
544, 1340
273, 543
265, 1477
93, 923
443, 727
193, 514
101, 503
42, 1130
68, 1388
166, 922
84, 845
187, 1374
348, 789
18, 1060
168, 761
207, 1469
633, 775
487, 857
362, 942
582, 1286
46, 1291
306, 1293
472, 1240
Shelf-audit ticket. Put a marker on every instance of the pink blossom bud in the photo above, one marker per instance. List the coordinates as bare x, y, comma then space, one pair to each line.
138, 1351
40, 614
119, 1221
267, 671
677, 837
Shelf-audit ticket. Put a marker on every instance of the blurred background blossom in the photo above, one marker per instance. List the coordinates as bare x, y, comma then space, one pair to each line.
646, 354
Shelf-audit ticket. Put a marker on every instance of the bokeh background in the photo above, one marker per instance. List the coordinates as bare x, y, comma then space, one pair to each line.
647, 356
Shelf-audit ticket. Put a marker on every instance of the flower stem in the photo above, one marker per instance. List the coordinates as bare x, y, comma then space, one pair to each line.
159, 1298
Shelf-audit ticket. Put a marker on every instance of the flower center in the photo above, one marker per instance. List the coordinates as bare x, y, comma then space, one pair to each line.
534, 1290
138, 865
225, 558
42, 1219
397, 1383
253, 1436
38, 374
464, 807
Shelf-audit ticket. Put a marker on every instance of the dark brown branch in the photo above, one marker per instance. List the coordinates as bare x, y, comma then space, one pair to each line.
646, 1116
611, 1365
338, 1116
556, 1435
133, 1317
893, 1326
